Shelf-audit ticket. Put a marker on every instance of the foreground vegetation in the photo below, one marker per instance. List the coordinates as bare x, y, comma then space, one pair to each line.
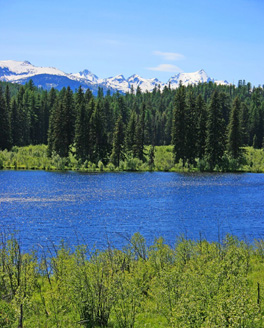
194, 284
159, 158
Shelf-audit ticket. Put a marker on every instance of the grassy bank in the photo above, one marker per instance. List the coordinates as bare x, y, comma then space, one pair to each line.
194, 284
35, 158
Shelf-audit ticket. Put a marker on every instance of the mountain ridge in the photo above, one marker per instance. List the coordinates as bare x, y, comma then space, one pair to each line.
48, 77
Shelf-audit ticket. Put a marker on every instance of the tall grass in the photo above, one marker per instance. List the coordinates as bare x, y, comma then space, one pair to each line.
193, 284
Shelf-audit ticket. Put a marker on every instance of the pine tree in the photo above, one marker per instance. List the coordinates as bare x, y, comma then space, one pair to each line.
201, 126
24, 109
59, 139
234, 141
98, 140
51, 98
190, 128
34, 128
130, 133
256, 118
226, 106
45, 109
7, 98
118, 142
62, 124
5, 130
81, 128
168, 126
122, 109
178, 125
18, 119
69, 117
15, 126
109, 121
244, 117
255, 142
139, 135
148, 128
88, 96
215, 139
40, 120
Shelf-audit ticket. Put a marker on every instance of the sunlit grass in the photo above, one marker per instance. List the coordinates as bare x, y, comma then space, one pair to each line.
36, 158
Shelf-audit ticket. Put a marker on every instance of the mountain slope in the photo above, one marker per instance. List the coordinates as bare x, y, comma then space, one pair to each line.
48, 77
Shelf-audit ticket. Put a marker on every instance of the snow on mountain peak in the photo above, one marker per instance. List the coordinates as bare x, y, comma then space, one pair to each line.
119, 77
189, 78
20, 71
26, 62
86, 74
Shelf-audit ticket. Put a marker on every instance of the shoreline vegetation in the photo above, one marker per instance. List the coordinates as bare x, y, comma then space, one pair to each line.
192, 284
159, 158
205, 127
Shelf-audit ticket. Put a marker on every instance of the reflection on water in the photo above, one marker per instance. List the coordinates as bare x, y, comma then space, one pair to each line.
94, 208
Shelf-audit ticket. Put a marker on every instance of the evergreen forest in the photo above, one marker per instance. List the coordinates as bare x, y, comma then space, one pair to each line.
205, 127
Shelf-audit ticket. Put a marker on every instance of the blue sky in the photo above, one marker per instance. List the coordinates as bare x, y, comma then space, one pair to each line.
149, 38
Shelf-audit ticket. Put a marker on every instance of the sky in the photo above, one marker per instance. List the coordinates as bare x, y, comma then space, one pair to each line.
149, 38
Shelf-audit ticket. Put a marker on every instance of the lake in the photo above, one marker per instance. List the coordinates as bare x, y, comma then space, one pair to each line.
99, 208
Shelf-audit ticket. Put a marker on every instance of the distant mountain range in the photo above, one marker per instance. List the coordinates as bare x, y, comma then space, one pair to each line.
48, 77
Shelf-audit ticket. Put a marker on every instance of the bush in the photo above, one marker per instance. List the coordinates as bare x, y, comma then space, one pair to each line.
164, 158
110, 166
100, 166
1, 162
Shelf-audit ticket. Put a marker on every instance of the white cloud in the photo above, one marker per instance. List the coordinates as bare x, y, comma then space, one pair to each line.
166, 68
169, 55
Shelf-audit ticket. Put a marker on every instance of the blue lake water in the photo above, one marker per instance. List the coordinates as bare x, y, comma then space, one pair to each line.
96, 208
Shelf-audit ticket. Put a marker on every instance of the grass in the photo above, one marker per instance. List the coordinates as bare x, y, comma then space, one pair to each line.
35, 158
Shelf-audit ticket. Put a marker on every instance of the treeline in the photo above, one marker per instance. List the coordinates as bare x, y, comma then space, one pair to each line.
194, 284
207, 124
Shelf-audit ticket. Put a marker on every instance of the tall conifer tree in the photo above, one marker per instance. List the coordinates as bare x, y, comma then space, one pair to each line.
190, 128
234, 140
5, 130
178, 124
139, 135
201, 126
215, 138
130, 133
118, 142
81, 127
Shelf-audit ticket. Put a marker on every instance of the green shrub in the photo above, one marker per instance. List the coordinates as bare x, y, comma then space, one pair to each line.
100, 166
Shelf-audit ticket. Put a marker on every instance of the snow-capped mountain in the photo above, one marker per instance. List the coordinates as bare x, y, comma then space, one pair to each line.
16, 70
144, 84
189, 78
48, 77
117, 82
87, 75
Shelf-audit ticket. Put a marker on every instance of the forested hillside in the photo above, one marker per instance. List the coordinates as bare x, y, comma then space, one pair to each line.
206, 124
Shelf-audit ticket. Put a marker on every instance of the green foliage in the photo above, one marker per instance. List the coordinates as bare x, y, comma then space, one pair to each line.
234, 141
164, 159
118, 142
194, 284
254, 160
1, 161
215, 138
5, 128
160, 158
196, 120
7, 315
178, 125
